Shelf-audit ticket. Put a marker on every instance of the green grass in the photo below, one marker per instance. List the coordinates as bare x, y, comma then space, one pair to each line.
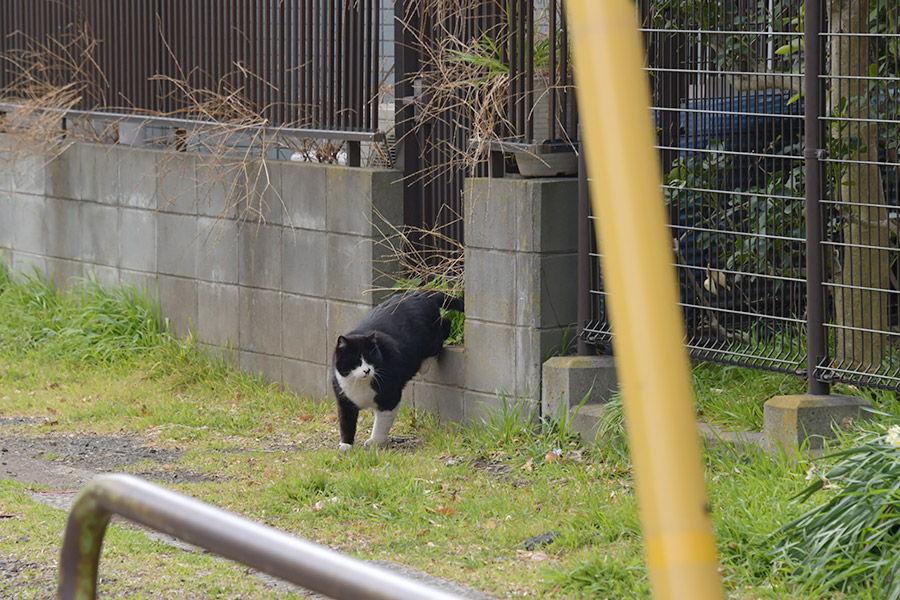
734, 396
456, 502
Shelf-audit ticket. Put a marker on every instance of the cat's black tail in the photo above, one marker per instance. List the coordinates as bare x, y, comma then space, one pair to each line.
445, 301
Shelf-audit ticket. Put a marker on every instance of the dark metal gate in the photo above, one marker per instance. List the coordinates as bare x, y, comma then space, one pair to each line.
446, 52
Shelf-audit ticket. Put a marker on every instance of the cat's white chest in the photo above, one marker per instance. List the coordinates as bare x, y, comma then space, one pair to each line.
357, 386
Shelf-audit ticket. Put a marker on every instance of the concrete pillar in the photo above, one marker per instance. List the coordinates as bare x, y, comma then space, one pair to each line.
795, 421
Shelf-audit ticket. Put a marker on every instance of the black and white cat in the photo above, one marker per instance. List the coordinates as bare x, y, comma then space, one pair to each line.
374, 362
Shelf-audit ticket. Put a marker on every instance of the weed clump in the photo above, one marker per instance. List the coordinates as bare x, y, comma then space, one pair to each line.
88, 323
851, 541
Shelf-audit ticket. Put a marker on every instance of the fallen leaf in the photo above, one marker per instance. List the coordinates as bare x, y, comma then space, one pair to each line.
529, 465
540, 556
304, 418
447, 510
551, 457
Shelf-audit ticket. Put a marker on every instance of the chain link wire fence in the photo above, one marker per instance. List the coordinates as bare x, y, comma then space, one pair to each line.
731, 107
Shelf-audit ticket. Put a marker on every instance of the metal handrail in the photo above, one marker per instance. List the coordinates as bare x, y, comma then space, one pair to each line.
264, 548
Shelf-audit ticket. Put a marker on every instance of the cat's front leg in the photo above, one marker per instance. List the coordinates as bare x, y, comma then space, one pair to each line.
384, 419
348, 413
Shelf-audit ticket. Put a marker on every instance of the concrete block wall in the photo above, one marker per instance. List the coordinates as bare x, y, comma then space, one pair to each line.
278, 287
275, 288
520, 283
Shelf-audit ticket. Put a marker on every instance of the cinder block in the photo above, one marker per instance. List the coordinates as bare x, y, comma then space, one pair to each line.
492, 289
260, 256
555, 213
349, 267
28, 173
343, 317
63, 175
7, 146
524, 215
386, 269
147, 283
303, 192
100, 234
64, 229
792, 421
492, 209
480, 408
559, 280
263, 202
266, 366
586, 420
445, 402
6, 224
304, 269
529, 287
29, 228
86, 186
64, 273
176, 182
106, 276
178, 298
387, 200
137, 240
221, 186
311, 380
305, 329
176, 244
450, 368
106, 174
218, 251
25, 262
349, 197
260, 320
137, 177
568, 381
491, 356
218, 313
529, 357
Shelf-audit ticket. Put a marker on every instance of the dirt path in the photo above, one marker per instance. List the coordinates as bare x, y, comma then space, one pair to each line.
64, 462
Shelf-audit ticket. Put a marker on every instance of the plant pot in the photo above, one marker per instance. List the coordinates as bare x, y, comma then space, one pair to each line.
546, 164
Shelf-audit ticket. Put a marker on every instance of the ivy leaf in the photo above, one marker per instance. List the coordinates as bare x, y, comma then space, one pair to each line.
793, 46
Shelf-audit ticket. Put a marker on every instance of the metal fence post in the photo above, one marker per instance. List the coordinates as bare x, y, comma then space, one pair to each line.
816, 343
406, 65
584, 252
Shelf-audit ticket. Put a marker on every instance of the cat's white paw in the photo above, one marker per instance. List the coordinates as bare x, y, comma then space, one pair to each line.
345, 447
373, 443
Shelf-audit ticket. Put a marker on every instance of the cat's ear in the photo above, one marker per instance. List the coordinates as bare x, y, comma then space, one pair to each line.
373, 341
341, 343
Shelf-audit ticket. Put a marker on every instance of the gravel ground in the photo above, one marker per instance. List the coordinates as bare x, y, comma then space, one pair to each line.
64, 462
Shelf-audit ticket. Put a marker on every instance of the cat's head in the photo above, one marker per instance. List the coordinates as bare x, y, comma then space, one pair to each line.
357, 356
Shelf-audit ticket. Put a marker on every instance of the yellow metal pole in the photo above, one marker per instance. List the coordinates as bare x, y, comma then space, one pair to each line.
653, 368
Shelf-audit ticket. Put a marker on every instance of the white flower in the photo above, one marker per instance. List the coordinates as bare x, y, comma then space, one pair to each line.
893, 436
812, 474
